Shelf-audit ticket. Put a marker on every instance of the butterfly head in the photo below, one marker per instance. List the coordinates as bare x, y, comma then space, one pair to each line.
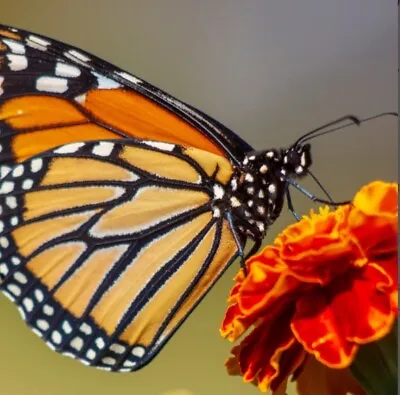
290, 162
296, 160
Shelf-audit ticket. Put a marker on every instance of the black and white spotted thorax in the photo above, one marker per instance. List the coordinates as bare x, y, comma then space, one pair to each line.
256, 193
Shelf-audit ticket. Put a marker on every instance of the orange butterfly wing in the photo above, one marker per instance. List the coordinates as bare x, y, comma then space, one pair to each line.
109, 232
107, 261
53, 94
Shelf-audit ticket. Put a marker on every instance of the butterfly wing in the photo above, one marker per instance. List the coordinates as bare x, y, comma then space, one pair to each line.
107, 246
53, 94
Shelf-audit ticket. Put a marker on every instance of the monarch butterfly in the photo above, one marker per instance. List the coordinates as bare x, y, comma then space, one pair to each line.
120, 206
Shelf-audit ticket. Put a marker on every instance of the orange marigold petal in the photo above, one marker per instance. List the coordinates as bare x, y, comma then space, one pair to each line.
378, 198
259, 355
266, 284
374, 220
291, 360
327, 285
235, 323
331, 322
318, 248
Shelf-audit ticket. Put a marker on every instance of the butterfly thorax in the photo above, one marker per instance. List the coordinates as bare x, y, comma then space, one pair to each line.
257, 190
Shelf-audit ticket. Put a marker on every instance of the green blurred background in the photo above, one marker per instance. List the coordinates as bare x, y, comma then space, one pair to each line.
270, 70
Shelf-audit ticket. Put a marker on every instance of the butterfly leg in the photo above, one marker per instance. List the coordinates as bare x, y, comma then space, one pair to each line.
290, 204
238, 242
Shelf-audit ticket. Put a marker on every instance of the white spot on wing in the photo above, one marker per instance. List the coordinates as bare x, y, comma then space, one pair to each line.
1, 84
18, 171
129, 364
15, 260
117, 348
109, 361
28, 304
138, 351
81, 98
86, 329
103, 149
48, 310
20, 277
14, 46
128, 77
69, 148
100, 343
42, 324
66, 70
27, 184
3, 269
52, 84
41, 42
161, 146
77, 343
216, 212
6, 187
67, 328
4, 171
106, 83
36, 165
11, 201
73, 54
39, 295
14, 289
218, 191
17, 62
56, 337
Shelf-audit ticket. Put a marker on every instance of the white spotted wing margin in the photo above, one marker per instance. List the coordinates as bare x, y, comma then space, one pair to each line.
107, 246
36, 64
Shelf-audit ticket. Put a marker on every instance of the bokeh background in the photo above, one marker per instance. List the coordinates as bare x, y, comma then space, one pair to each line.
269, 69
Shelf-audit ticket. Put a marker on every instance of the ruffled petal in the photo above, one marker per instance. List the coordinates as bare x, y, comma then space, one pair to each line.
235, 323
373, 223
264, 289
331, 322
318, 248
327, 285
263, 362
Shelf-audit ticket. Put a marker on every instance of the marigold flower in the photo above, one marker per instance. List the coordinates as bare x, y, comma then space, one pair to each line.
327, 285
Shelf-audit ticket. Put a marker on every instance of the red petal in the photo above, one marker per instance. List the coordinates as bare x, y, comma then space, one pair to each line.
267, 283
374, 219
329, 322
261, 353
235, 323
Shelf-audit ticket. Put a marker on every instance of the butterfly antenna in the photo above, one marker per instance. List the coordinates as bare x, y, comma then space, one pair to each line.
354, 120
307, 136
321, 187
312, 197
